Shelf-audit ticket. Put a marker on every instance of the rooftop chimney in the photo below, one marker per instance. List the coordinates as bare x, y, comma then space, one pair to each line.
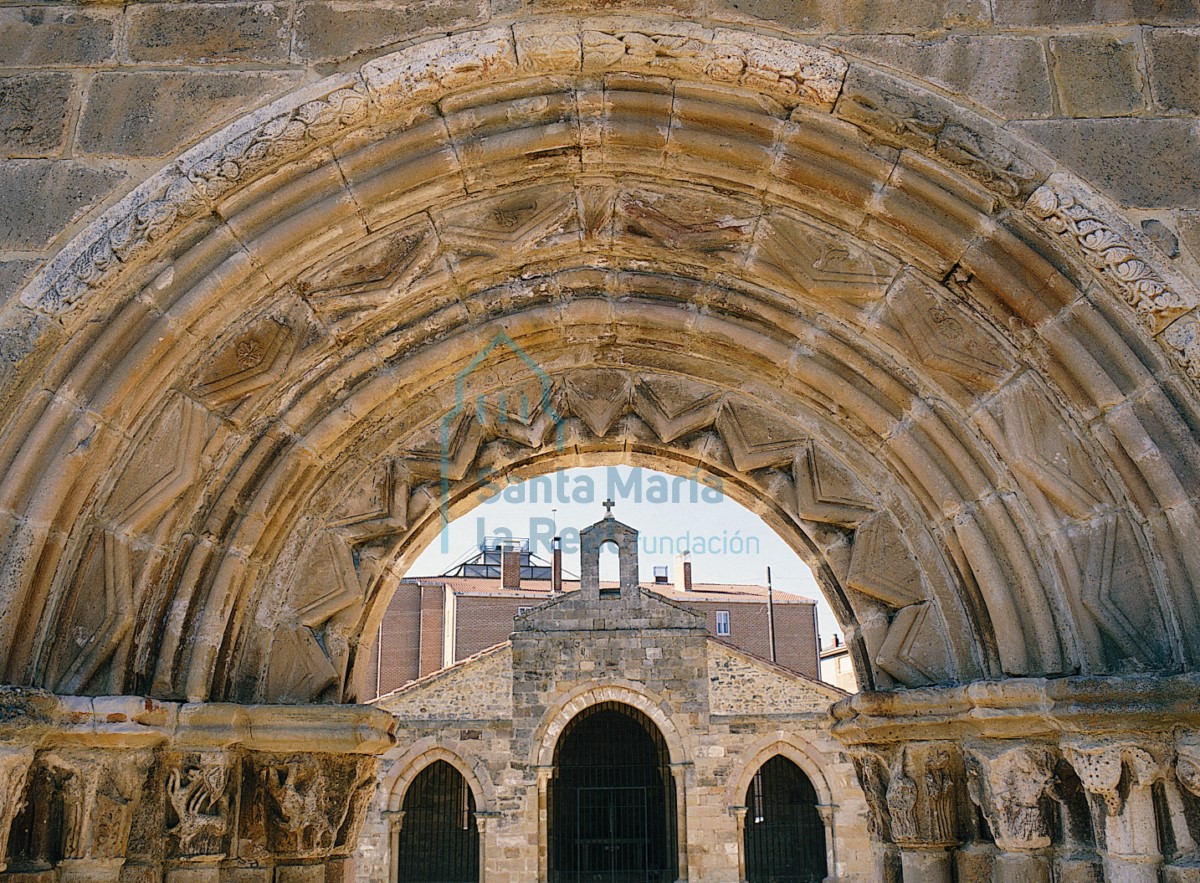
510, 569
556, 566
660, 575
683, 573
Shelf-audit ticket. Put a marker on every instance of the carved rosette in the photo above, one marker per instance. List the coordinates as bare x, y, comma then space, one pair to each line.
1012, 790
1103, 770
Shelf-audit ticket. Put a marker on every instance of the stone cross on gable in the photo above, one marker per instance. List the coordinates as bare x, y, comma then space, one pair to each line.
608, 504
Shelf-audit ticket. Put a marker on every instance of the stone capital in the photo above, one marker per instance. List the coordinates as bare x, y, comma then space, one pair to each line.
1103, 767
1010, 785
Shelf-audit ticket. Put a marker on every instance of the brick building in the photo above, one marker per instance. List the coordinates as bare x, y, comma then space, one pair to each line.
612, 737
433, 622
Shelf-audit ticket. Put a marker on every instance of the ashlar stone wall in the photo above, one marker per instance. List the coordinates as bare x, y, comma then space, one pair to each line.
95, 95
497, 718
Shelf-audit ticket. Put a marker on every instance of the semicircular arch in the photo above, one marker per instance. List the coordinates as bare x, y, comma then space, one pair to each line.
262, 313
567, 707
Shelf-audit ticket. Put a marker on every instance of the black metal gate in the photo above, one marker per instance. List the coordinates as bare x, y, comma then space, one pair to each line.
612, 800
785, 837
439, 842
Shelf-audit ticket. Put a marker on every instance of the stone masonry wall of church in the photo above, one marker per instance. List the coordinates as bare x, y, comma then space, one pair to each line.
565, 660
94, 94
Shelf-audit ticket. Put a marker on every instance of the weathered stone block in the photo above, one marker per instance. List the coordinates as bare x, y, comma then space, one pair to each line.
152, 113
33, 113
1189, 232
25, 338
44, 35
1097, 75
38, 198
882, 16
186, 32
1026, 13
1005, 74
1175, 69
305, 874
327, 32
1112, 155
13, 275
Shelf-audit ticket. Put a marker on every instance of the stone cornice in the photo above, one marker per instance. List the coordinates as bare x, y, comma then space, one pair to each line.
46, 720
1023, 708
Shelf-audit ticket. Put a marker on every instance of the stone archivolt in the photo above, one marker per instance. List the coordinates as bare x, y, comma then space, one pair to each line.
958, 385
389, 277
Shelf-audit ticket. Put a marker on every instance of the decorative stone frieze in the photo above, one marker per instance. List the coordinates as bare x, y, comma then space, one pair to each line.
168, 785
1111, 252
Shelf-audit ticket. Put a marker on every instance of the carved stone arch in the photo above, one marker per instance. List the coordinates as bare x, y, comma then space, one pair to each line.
564, 710
794, 749
420, 755
1026, 257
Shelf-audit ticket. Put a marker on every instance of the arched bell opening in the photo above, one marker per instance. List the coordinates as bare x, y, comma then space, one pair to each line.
612, 802
439, 839
784, 838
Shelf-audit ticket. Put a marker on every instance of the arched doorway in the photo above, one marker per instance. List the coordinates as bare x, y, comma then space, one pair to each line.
785, 837
612, 800
439, 841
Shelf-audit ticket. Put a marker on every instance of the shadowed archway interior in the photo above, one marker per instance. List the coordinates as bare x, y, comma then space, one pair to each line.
612, 801
439, 841
784, 835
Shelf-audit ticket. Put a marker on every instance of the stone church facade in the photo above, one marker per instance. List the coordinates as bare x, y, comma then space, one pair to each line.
499, 716
915, 280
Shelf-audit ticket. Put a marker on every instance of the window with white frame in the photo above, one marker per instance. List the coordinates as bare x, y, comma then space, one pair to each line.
521, 610
723, 623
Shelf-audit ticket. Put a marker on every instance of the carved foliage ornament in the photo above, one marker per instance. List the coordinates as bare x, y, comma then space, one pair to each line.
1103, 769
790, 72
1109, 252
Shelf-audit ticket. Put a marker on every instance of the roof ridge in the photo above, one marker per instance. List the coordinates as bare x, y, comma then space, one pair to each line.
783, 669
434, 675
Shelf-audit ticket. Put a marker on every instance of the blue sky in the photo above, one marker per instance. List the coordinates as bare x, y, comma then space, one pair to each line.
728, 543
